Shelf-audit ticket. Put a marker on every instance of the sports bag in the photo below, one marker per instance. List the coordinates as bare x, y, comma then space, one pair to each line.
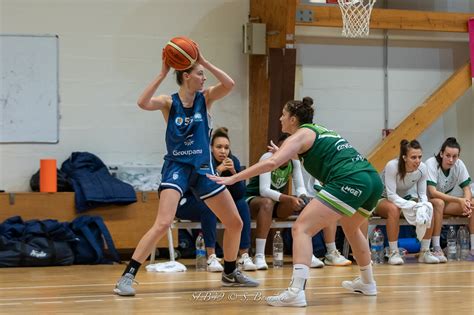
95, 245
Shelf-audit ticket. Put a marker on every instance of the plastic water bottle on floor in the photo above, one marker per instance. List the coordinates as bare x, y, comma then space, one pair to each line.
277, 250
452, 250
201, 260
463, 242
376, 246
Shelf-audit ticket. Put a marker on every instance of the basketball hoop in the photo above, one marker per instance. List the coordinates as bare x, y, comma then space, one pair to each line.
356, 17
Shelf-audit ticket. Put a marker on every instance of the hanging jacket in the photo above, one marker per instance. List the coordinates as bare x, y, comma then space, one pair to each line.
93, 185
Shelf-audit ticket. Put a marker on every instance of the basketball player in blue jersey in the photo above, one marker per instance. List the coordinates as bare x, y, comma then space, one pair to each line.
187, 162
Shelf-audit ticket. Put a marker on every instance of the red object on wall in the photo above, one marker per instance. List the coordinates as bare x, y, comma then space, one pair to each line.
386, 132
48, 176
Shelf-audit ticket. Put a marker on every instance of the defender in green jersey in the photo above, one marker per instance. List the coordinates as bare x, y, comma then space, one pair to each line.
268, 197
350, 192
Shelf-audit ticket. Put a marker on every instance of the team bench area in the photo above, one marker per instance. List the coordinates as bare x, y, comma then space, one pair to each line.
288, 223
128, 223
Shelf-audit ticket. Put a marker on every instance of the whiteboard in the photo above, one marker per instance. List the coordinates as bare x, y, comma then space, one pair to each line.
29, 88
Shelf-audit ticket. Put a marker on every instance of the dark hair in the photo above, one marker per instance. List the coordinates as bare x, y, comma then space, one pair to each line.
220, 132
450, 142
404, 147
301, 109
179, 74
282, 138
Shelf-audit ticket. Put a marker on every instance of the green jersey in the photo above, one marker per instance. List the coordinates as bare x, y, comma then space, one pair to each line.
279, 180
331, 156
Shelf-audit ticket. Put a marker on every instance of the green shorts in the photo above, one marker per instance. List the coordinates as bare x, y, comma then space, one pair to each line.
358, 192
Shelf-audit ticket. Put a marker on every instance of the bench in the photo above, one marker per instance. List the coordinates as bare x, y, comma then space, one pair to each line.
191, 225
288, 223
126, 223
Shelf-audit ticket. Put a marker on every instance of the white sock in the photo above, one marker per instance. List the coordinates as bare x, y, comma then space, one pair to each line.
472, 241
300, 274
393, 246
331, 247
366, 274
260, 245
435, 241
425, 245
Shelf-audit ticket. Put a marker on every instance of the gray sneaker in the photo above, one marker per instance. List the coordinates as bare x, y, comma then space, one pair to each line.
124, 285
238, 279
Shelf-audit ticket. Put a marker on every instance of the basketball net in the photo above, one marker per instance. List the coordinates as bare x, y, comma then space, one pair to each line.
356, 17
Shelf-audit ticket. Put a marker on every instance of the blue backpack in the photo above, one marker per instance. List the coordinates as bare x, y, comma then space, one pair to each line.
95, 244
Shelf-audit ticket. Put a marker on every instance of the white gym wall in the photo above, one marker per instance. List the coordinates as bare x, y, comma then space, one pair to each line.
109, 51
346, 79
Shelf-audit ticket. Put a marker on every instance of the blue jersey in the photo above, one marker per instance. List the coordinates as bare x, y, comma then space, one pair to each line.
188, 134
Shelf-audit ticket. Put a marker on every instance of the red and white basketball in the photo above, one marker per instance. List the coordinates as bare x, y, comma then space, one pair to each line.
181, 53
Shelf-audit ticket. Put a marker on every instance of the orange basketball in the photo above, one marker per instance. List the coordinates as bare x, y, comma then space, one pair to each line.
180, 53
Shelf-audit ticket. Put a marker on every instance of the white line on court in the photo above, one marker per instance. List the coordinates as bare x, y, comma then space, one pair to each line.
57, 297
50, 302
219, 280
319, 291
406, 291
162, 295
330, 293
86, 301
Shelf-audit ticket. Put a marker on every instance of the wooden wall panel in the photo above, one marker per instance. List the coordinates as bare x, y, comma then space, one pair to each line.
279, 17
127, 224
282, 67
259, 103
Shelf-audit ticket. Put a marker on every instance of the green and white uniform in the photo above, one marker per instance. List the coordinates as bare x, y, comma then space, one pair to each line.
456, 176
350, 182
273, 184
402, 192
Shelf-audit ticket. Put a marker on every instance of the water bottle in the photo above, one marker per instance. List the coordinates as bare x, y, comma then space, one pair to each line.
463, 241
277, 250
376, 246
452, 250
201, 260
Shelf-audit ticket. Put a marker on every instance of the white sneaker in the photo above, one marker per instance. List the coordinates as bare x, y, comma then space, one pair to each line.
357, 286
438, 253
316, 263
427, 257
213, 264
334, 258
260, 262
288, 298
395, 258
246, 263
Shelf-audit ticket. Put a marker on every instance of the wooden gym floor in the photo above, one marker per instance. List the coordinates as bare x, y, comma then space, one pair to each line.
412, 288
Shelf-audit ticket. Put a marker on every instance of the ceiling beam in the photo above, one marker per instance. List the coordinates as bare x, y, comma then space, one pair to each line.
390, 19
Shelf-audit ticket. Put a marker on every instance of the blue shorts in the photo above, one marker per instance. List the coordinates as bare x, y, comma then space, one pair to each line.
182, 177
